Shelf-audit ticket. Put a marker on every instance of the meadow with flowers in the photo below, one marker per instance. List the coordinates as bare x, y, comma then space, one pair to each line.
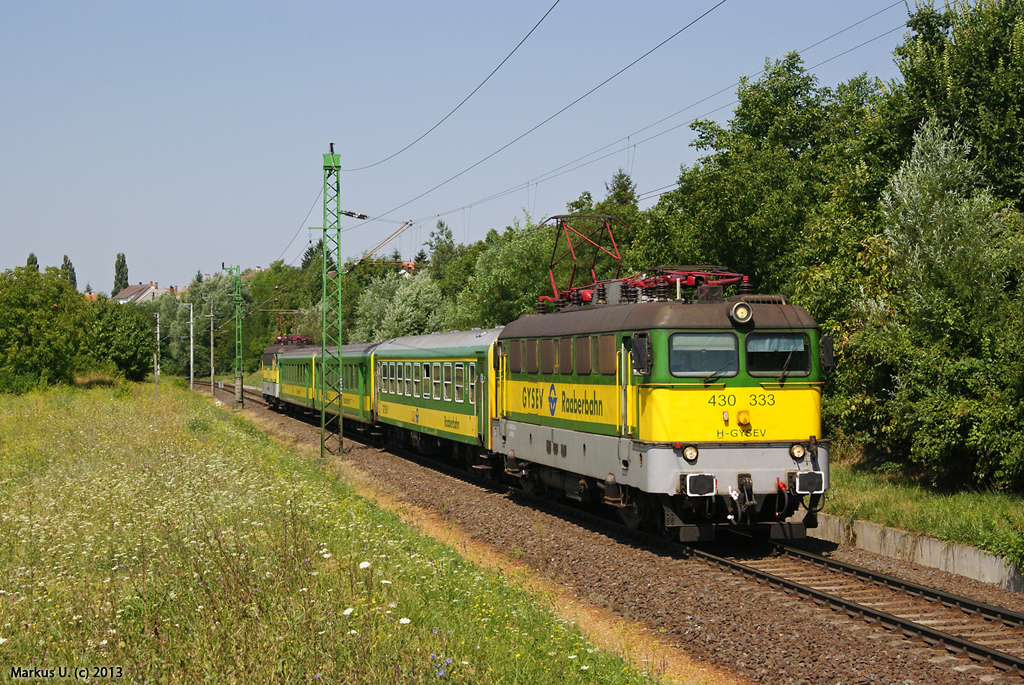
177, 543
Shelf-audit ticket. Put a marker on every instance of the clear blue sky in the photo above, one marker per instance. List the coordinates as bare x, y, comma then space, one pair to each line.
188, 134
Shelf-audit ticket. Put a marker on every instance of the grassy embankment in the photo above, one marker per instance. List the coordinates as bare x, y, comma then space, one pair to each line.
987, 520
177, 542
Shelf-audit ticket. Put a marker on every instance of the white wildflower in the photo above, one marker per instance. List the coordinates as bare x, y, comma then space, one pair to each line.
404, 621
364, 564
348, 612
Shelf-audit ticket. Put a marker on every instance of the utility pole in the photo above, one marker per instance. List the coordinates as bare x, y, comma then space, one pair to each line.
156, 359
213, 388
239, 370
191, 347
330, 385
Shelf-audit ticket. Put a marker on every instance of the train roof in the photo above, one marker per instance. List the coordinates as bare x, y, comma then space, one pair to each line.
650, 315
354, 350
453, 343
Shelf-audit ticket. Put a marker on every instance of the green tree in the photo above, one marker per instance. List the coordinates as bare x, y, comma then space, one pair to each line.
123, 336
621, 190
443, 250
67, 270
964, 65
395, 305
511, 273
43, 325
749, 202
945, 334
33, 262
120, 274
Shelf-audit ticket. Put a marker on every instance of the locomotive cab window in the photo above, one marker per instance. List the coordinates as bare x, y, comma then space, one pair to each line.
778, 354
703, 354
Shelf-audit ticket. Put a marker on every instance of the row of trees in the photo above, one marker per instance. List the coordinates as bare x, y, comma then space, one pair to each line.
51, 333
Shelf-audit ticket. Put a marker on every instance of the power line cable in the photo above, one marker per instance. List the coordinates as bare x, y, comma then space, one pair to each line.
558, 171
574, 102
368, 166
299, 230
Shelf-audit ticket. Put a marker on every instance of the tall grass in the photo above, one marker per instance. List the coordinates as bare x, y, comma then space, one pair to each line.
987, 520
178, 543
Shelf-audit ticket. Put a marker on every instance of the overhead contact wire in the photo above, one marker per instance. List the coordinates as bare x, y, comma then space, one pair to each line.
369, 166
571, 104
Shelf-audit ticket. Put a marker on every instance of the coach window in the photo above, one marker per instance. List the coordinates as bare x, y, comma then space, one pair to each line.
460, 381
595, 354
515, 356
376, 379
531, 356
565, 356
547, 355
447, 382
426, 381
415, 380
401, 379
391, 378
437, 380
408, 378
472, 383
607, 359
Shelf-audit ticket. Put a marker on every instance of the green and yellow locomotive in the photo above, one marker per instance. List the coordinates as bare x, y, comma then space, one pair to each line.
685, 414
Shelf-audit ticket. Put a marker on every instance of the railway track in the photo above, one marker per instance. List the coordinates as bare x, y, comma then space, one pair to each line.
988, 635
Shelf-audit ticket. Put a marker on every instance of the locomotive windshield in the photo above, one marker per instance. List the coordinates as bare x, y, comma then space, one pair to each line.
778, 354
701, 354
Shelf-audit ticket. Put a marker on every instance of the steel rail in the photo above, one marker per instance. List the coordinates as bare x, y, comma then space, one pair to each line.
969, 606
951, 643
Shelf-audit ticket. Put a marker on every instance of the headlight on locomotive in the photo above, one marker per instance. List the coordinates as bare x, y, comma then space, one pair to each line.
741, 313
690, 453
798, 452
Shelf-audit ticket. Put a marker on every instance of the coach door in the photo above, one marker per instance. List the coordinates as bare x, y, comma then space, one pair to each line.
478, 398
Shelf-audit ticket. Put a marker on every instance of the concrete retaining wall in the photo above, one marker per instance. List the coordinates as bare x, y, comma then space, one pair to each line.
921, 549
